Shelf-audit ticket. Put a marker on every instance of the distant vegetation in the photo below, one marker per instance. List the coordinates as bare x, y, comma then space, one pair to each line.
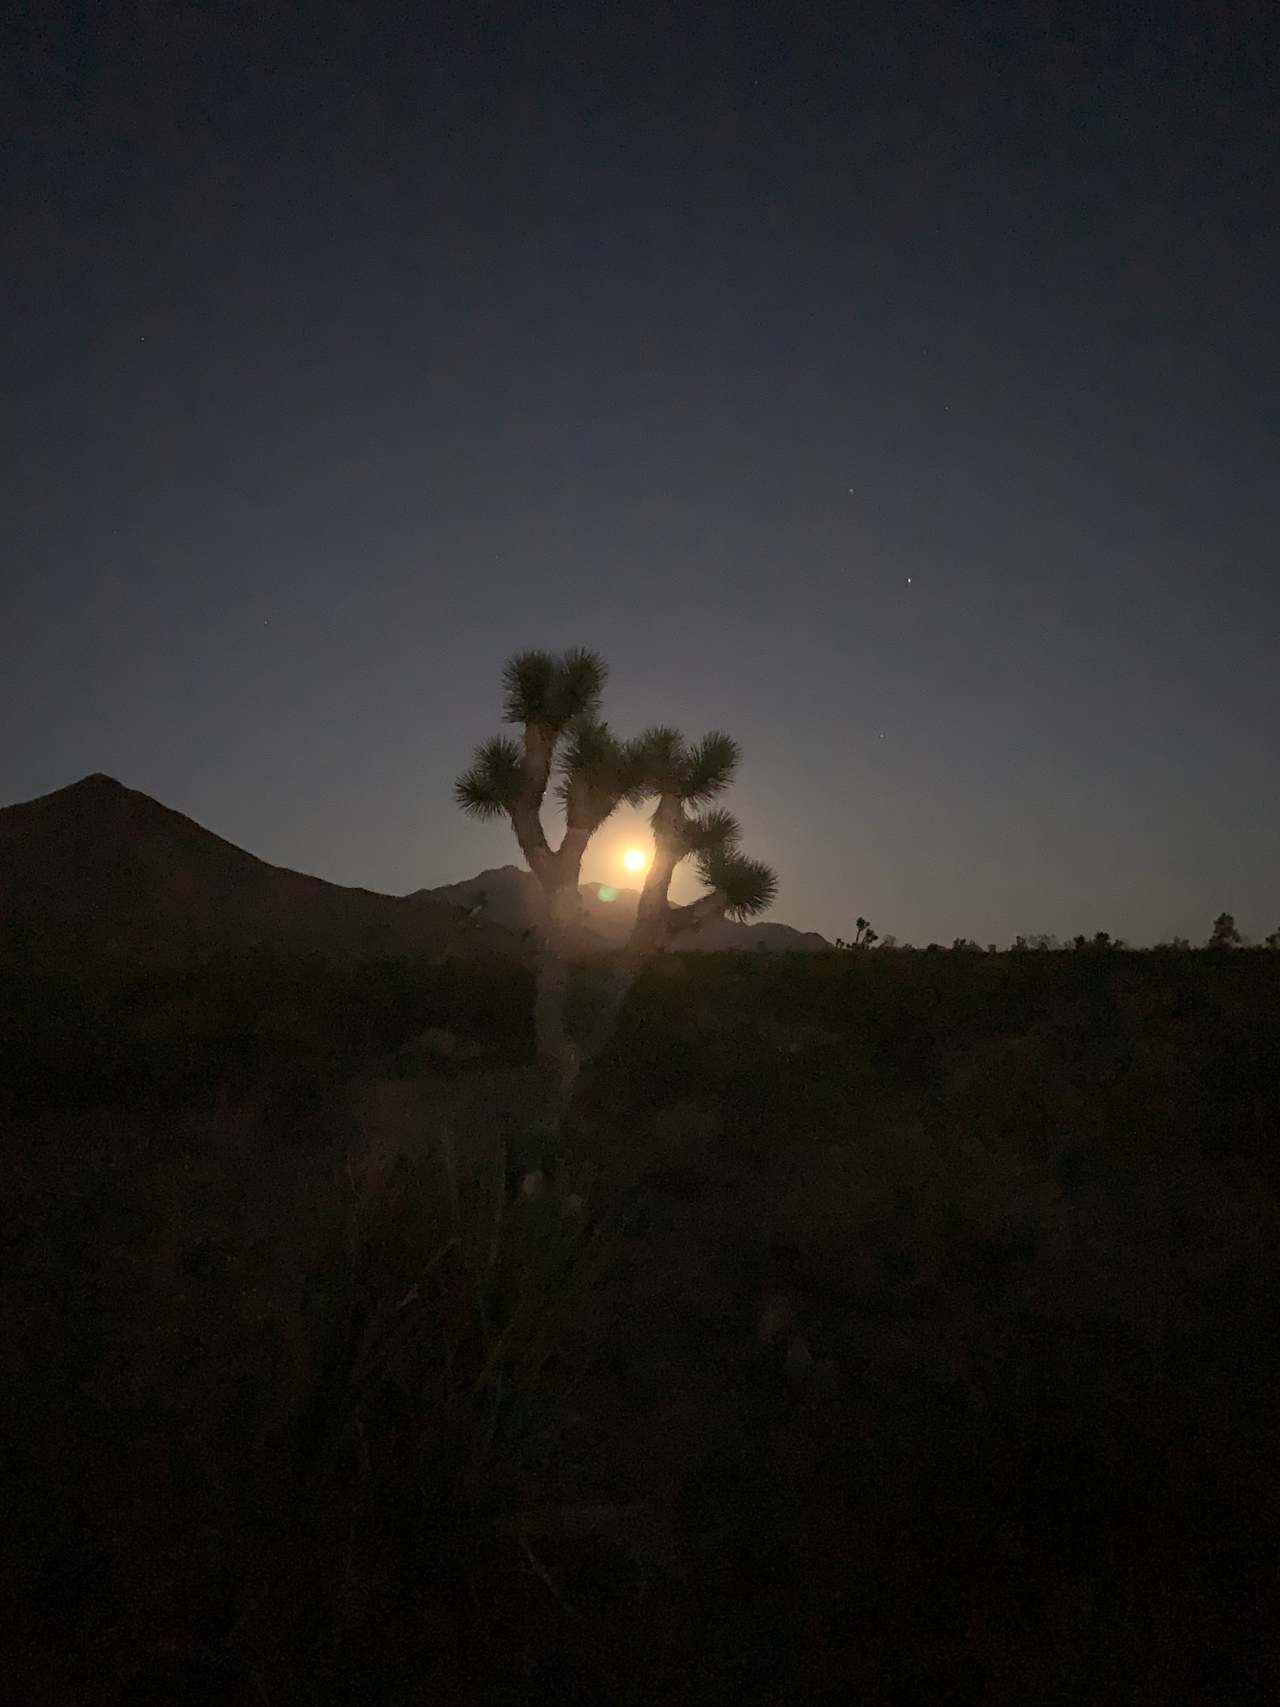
1223, 935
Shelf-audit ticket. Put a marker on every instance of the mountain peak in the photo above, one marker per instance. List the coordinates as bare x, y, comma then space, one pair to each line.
97, 782
99, 866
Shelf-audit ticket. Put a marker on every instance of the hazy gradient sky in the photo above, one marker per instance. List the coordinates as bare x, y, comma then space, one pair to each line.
897, 388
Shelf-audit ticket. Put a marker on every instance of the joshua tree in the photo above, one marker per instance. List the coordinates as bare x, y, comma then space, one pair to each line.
555, 700
863, 936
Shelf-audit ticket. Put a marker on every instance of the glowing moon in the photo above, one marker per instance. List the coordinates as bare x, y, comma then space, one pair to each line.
634, 860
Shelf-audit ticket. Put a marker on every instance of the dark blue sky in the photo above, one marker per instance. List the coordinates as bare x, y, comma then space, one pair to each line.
897, 389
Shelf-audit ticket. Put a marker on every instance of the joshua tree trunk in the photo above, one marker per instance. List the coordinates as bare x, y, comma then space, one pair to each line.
557, 873
657, 921
649, 938
649, 933
558, 1056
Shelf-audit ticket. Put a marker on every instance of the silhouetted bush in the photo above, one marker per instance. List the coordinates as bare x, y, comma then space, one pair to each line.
305, 1401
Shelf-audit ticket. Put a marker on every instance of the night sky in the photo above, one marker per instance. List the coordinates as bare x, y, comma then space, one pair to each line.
897, 388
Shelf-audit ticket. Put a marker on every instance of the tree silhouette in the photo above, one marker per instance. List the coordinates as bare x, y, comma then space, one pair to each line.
863, 935
1225, 934
555, 701
686, 779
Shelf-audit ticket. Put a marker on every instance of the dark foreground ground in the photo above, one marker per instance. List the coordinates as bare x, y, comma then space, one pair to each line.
890, 1328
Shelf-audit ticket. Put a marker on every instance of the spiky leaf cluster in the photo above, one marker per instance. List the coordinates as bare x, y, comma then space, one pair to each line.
491, 784
660, 757
710, 830
748, 885
548, 692
597, 771
709, 768
694, 774
550, 689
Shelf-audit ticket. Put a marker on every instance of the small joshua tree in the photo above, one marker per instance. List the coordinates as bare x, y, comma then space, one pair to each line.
555, 701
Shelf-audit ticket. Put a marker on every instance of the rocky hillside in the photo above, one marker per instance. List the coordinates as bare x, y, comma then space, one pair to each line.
100, 868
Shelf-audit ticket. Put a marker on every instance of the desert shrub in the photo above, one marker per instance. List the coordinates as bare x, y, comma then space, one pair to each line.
315, 1404
290, 1421
287, 1030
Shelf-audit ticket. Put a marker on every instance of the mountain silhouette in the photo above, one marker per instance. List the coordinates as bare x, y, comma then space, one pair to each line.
98, 868
101, 868
511, 898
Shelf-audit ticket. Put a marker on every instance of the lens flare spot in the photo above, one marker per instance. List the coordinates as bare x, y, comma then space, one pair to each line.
607, 893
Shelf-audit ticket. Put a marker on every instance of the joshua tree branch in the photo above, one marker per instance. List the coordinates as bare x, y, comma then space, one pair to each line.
526, 813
